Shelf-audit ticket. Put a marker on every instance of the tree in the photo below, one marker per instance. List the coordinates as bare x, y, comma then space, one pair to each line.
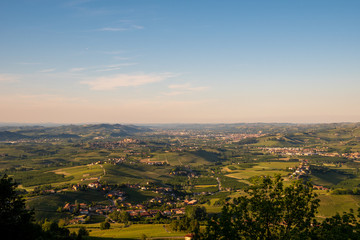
268, 211
104, 225
195, 212
272, 211
15, 219
83, 232
120, 216
339, 227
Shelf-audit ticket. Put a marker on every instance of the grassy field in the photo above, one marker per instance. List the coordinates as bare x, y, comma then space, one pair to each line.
81, 172
134, 173
46, 206
262, 168
118, 231
331, 204
188, 158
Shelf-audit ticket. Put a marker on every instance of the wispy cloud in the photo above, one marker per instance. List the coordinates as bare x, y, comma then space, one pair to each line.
114, 67
8, 78
126, 80
179, 89
103, 68
47, 70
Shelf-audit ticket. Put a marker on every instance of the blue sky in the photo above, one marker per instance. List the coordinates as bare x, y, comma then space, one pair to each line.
153, 61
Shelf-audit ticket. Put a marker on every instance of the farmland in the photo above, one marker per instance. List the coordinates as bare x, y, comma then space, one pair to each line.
82, 180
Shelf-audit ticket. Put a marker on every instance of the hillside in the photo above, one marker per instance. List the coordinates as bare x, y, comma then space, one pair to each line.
69, 131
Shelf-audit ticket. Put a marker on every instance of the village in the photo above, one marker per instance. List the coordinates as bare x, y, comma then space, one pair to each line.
117, 202
296, 151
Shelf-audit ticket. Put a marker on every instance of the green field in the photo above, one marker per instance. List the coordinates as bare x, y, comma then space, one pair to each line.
118, 231
197, 158
81, 172
331, 204
132, 174
46, 206
262, 168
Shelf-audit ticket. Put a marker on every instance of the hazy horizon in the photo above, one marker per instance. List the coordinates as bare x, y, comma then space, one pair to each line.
45, 124
79, 61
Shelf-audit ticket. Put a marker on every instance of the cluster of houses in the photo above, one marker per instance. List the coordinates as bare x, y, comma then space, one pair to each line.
355, 155
148, 161
293, 151
117, 194
114, 161
319, 187
152, 212
113, 144
83, 210
236, 137
301, 171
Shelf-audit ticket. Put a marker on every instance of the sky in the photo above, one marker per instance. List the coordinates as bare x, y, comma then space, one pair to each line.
179, 61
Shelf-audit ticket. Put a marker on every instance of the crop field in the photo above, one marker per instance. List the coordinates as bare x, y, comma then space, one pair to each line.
81, 172
331, 177
331, 204
262, 168
189, 158
120, 174
135, 231
204, 188
276, 165
47, 205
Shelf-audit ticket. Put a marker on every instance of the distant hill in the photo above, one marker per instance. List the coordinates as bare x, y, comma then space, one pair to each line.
251, 128
69, 131
11, 136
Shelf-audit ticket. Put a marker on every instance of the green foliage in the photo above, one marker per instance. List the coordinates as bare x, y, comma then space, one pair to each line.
338, 227
120, 216
15, 220
247, 165
269, 211
248, 141
272, 211
83, 232
104, 225
195, 212
184, 224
